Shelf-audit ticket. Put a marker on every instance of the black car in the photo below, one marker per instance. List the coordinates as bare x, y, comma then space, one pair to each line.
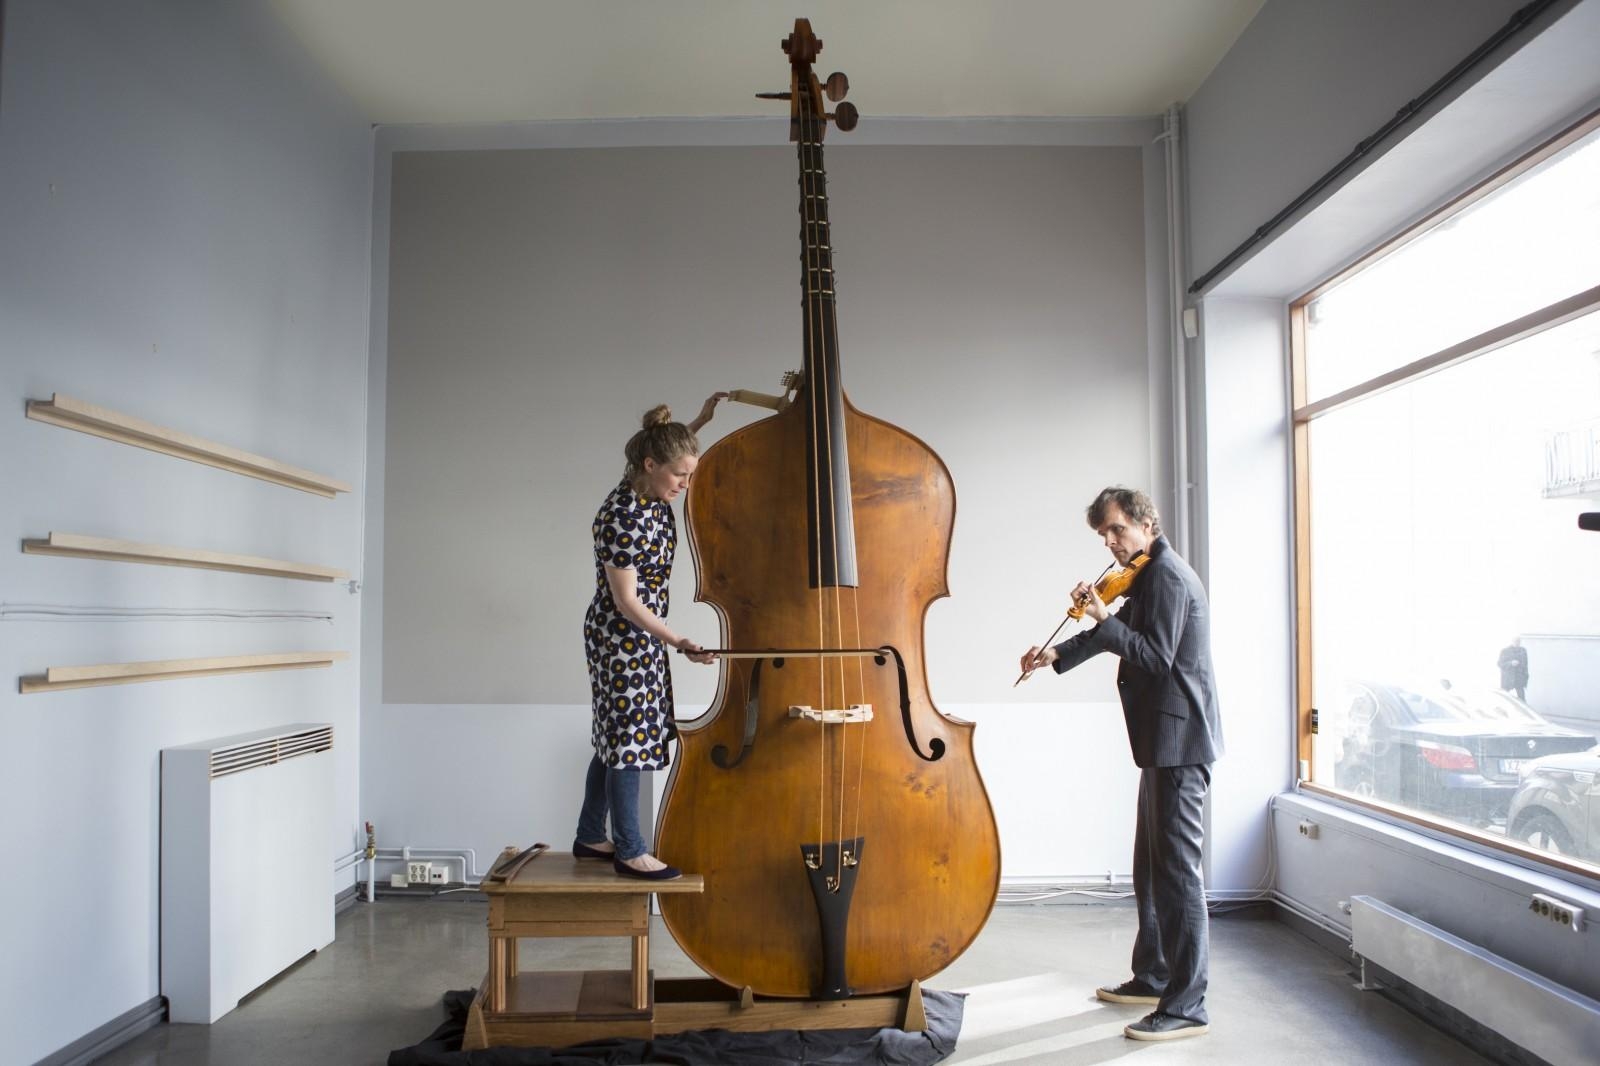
1557, 806
1440, 750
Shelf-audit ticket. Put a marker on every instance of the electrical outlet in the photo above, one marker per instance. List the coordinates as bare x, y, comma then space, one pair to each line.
1558, 910
1308, 829
417, 872
438, 875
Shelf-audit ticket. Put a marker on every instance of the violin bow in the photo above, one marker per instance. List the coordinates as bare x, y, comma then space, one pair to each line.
1029, 673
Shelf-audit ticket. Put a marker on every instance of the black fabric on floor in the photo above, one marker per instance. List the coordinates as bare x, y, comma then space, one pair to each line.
711, 1047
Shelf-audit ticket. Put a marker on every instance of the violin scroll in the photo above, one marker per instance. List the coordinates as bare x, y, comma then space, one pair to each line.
808, 117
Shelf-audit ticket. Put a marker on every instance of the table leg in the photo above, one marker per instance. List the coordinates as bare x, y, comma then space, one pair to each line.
497, 974
641, 971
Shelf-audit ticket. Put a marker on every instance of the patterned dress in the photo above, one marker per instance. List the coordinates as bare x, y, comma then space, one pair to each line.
629, 675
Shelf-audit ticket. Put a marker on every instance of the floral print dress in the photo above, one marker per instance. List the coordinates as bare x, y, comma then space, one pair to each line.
629, 676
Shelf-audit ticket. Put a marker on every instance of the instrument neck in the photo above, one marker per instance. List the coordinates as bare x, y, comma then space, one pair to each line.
832, 526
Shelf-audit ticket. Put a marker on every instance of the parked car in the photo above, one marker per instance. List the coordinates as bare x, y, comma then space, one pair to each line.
1447, 751
1557, 806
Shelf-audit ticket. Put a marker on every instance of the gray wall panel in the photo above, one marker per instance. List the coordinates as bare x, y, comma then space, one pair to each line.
992, 301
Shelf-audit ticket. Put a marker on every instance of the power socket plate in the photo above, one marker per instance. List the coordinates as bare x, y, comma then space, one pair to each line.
1558, 910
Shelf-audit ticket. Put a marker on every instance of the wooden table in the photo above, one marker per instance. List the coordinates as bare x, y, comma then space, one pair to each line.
556, 895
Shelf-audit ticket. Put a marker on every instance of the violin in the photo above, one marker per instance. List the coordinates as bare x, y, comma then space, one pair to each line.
1110, 585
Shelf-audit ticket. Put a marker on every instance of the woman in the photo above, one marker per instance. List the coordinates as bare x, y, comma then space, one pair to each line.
625, 637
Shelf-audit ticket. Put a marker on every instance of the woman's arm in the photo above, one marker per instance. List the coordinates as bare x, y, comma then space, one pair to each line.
625, 594
707, 409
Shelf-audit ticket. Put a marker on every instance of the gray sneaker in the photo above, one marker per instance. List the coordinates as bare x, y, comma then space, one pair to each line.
1159, 1026
1128, 992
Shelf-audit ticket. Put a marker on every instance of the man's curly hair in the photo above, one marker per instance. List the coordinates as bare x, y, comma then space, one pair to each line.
1133, 503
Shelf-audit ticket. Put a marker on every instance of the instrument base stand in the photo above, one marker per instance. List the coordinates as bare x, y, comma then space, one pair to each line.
558, 1009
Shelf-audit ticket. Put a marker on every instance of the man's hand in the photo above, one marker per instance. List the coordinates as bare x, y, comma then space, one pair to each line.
1085, 596
1034, 658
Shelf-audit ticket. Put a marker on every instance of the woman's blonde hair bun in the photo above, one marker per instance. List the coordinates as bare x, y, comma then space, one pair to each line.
660, 439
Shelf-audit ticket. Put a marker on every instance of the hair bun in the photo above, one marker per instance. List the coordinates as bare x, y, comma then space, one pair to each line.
659, 415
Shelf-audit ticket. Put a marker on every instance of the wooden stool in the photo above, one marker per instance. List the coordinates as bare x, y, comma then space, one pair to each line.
556, 895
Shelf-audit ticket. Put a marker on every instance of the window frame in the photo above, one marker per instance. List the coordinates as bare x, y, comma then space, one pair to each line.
1302, 413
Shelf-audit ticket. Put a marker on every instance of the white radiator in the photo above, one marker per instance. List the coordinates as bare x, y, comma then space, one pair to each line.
1554, 1022
246, 873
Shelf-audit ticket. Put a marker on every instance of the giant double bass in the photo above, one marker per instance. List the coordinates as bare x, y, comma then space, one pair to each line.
845, 835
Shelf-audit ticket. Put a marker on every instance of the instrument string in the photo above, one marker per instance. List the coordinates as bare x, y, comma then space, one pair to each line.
818, 223
825, 324
818, 393
855, 610
822, 323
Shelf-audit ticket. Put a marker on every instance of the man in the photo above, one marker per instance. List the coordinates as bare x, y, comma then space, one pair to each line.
1163, 637
1514, 668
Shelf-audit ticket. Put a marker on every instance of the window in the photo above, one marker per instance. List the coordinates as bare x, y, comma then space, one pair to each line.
1447, 436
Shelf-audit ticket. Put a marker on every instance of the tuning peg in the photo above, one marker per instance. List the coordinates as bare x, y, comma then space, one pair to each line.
845, 116
772, 96
836, 86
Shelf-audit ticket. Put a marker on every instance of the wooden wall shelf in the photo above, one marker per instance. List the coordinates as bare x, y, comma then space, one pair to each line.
75, 414
62, 677
81, 546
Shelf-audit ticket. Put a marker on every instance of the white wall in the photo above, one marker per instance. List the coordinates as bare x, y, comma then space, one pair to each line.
983, 289
1244, 418
1478, 897
1304, 83
186, 212
1246, 165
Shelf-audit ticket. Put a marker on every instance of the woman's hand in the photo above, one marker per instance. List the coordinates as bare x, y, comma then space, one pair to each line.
694, 652
707, 409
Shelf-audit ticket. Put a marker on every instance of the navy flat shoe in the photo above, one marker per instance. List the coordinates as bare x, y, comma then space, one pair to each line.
581, 850
666, 873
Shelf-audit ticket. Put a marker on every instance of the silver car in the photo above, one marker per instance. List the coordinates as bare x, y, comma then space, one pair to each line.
1557, 804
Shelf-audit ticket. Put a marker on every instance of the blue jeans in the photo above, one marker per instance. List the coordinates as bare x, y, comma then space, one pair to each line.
616, 791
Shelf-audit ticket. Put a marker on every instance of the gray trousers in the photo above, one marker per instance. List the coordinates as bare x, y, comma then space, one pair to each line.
1172, 952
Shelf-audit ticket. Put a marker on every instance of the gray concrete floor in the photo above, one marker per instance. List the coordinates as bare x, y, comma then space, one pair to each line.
1275, 998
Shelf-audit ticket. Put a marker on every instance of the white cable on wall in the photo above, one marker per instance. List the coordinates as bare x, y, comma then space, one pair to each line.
52, 612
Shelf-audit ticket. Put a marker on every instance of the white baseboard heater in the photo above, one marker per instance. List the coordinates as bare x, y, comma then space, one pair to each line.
1552, 1021
246, 882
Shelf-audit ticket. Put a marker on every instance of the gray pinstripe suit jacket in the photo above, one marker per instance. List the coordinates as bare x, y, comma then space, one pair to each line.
1163, 636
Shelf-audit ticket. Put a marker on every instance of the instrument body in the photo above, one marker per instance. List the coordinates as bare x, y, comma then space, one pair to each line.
821, 527
1112, 585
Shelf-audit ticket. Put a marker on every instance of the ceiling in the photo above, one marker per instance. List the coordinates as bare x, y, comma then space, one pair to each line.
490, 61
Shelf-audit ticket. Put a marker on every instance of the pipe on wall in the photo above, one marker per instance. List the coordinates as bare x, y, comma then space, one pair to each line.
1172, 143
